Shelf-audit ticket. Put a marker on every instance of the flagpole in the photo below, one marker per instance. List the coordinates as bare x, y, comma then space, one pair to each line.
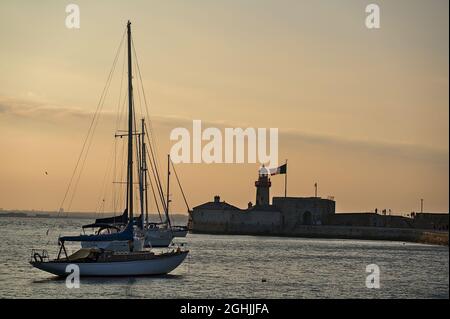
285, 182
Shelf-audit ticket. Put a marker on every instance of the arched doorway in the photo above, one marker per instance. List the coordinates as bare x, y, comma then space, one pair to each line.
307, 218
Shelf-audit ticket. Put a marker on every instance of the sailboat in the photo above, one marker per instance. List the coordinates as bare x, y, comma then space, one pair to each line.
157, 234
102, 259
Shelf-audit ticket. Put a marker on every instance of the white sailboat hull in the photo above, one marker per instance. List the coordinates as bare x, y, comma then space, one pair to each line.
158, 237
180, 233
159, 266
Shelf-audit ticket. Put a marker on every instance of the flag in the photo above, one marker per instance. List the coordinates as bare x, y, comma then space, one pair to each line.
279, 170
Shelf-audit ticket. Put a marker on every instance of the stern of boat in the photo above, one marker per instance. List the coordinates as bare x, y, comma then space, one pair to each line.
38, 256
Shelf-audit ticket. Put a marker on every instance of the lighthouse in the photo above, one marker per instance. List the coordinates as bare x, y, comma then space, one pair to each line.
262, 187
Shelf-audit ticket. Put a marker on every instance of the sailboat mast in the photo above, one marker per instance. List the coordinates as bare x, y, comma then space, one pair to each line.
144, 161
130, 129
168, 189
142, 171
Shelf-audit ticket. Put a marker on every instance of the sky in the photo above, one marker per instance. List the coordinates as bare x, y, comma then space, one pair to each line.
362, 112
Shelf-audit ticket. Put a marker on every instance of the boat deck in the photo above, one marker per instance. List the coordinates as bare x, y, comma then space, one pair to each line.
95, 256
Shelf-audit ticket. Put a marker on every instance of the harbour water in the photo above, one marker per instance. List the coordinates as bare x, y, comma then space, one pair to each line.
234, 267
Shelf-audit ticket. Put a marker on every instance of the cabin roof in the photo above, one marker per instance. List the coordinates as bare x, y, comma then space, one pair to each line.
217, 206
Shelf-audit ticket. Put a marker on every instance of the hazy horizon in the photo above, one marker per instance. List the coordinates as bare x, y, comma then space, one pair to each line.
364, 113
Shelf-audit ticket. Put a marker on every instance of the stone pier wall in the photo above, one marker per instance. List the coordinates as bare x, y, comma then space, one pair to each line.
336, 232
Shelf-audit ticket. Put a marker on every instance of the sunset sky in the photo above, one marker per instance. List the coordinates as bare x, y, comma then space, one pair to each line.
362, 112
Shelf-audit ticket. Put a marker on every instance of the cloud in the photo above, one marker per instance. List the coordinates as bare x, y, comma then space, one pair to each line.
407, 151
294, 137
38, 110
41, 110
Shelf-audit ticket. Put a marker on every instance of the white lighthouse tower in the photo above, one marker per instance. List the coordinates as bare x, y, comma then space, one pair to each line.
262, 187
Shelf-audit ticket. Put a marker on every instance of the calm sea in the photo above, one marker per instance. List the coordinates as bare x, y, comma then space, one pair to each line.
234, 267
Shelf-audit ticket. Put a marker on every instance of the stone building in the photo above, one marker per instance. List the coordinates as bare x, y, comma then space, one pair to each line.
284, 213
289, 214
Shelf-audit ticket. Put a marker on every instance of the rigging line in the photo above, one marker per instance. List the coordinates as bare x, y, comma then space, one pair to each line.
138, 160
114, 189
116, 198
108, 189
91, 137
157, 177
85, 140
120, 91
154, 197
179, 184
157, 180
161, 194
122, 173
120, 197
139, 152
139, 104
95, 123
113, 193
155, 164
103, 189
138, 89
153, 151
109, 167
145, 181
139, 149
139, 168
122, 111
153, 186
139, 84
138, 156
156, 200
88, 134
155, 174
151, 142
151, 131
103, 207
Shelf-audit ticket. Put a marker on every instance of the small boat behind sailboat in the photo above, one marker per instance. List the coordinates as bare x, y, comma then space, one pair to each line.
180, 231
